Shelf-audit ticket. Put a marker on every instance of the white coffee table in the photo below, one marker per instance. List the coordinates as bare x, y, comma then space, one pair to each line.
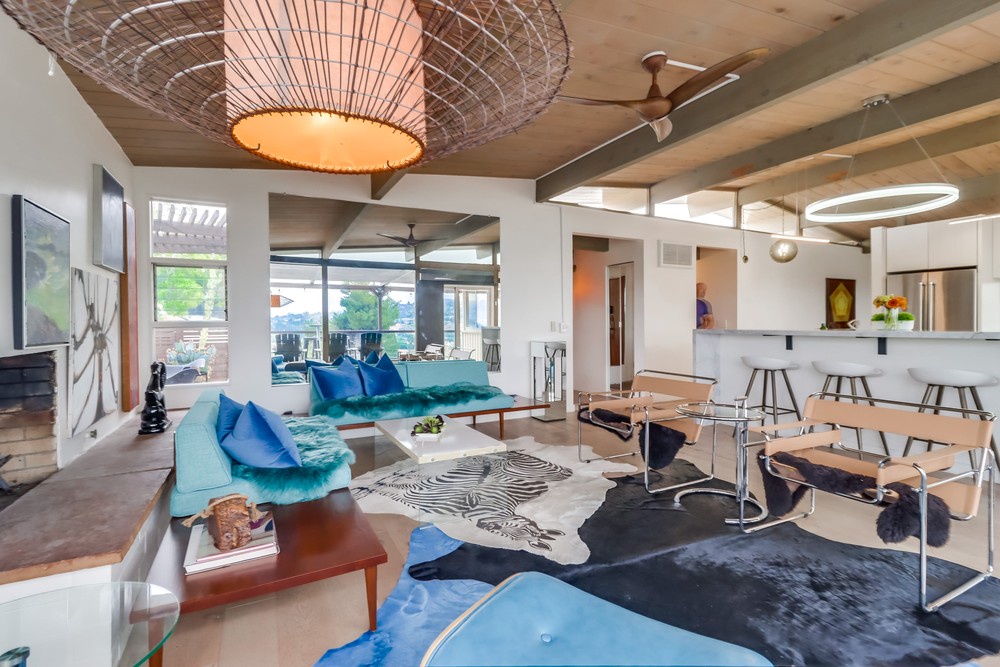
456, 441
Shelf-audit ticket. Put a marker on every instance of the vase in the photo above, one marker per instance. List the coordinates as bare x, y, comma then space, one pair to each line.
892, 319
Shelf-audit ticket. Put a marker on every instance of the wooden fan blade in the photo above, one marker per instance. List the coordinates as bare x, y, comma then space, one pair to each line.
648, 108
398, 239
703, 80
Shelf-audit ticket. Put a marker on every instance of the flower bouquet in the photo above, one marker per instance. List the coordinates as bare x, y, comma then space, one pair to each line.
428, 428
893, 305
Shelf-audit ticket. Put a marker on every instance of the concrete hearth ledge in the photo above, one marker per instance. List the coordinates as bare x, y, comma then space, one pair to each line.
88, 514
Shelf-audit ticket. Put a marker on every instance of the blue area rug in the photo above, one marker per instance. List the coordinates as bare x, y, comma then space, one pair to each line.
415, 612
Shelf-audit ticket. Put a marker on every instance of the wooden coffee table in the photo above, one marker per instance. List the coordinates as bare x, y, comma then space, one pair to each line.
317, 539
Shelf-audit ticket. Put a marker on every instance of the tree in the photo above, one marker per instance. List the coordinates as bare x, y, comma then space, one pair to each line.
183, 289
361, 314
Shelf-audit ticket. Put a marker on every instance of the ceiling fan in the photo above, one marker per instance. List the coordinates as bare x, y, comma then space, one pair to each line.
409, 241
655, 107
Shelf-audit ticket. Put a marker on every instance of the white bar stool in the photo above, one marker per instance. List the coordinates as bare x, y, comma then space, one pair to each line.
841, 370
939, 379
771, 366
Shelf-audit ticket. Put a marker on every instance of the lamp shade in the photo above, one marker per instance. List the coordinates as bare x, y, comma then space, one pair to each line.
344, 86
326, 86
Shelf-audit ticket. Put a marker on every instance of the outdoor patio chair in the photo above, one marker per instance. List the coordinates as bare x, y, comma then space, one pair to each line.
921, 492
288, 345
650, 402
371, 341
459, 353
337, 345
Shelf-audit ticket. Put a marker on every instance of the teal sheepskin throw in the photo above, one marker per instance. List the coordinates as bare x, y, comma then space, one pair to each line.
323, 452
424, 401
288, 377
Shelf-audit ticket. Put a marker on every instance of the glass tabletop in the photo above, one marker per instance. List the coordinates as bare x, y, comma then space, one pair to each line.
720, 412
115, 623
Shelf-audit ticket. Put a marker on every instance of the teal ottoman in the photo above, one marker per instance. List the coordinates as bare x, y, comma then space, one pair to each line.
534, 619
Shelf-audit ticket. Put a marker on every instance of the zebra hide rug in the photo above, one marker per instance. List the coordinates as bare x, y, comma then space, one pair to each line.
533, 497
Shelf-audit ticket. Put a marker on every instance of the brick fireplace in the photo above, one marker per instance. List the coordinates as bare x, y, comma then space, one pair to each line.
28, 417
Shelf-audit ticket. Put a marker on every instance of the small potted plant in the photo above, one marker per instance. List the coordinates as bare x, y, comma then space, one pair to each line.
428, 428
878, 320
906, 321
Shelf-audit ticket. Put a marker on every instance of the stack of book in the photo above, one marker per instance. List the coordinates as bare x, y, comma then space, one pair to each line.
202, 555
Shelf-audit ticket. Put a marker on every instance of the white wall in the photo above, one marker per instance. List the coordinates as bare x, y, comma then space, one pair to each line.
536, 274
49, 140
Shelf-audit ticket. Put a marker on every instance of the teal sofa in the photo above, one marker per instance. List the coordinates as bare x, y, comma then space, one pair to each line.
451, 386
205, 470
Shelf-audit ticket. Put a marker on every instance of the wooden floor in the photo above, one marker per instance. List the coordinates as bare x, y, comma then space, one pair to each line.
297, 626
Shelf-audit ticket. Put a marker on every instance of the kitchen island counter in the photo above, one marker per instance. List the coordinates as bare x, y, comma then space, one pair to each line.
718, 352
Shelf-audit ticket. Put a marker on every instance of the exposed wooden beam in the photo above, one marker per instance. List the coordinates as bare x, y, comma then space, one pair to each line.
385, 181
882, 31
979, 188
964, 137
464, 227
345, 223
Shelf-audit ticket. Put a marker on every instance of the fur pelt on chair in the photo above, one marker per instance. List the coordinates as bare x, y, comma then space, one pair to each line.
664, 442
900, 518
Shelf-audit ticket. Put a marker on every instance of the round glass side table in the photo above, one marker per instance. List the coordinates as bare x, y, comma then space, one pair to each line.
740, 416
114, 623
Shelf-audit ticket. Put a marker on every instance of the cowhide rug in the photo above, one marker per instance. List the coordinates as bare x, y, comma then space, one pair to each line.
532, 498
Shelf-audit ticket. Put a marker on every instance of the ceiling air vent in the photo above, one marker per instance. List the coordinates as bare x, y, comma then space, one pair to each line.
673, 254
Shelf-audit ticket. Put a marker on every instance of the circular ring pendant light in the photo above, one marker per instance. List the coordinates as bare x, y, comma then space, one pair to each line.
942, 194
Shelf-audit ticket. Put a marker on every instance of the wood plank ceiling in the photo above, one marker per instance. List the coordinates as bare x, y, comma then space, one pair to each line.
936, 73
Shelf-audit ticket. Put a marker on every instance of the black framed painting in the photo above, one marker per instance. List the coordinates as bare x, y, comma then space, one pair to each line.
109, 212
41, 280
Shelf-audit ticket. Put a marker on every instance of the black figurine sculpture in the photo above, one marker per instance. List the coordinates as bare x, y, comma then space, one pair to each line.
154, 413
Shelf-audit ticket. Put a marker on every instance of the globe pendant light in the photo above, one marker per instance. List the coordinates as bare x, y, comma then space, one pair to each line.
784, 250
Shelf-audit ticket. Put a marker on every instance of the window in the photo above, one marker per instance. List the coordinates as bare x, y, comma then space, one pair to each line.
190, 295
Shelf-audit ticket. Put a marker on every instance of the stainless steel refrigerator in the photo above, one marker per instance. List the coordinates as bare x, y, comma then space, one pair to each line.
939, 300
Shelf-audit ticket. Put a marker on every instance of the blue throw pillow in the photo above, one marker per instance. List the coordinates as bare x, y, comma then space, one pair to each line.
229, 412
341, 381
372, 357
382, 378
341, 358
260, 439
316, 363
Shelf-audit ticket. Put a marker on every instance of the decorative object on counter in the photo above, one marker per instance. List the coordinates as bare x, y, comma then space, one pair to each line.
840, 302
154, 413
906, 321
893, 305
428, 427
228, 519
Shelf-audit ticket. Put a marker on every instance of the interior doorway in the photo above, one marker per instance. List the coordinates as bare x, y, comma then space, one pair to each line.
716, 267
621, 326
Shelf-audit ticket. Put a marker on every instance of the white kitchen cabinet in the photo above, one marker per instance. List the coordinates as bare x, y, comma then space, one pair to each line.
929, 246
949, 246
906, 248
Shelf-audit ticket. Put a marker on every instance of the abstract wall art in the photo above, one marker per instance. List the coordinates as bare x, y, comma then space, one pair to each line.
109, 221
95, 350
41, 277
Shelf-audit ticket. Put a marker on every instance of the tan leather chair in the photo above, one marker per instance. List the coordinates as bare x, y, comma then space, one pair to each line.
652, 399
927, 473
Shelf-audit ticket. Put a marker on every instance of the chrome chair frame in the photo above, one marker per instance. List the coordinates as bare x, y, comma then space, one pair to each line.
640, 401
923, 465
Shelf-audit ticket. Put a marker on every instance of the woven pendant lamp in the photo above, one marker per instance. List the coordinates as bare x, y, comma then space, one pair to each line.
344, 86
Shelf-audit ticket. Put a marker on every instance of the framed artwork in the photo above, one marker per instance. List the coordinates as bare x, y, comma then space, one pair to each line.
94, 350
840, 302
109, 207
41, 280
